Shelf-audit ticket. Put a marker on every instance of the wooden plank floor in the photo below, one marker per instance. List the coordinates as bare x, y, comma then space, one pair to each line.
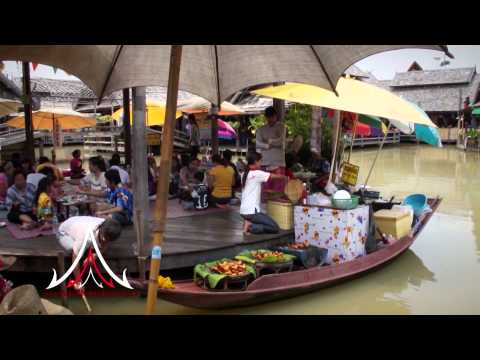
188, 241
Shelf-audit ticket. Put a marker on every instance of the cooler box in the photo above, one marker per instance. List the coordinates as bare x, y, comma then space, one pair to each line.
282, 213
395, 222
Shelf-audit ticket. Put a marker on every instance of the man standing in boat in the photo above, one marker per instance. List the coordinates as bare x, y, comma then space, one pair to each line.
270, 143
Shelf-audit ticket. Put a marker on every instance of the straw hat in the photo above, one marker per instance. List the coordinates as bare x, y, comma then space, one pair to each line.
24, 300
6, 262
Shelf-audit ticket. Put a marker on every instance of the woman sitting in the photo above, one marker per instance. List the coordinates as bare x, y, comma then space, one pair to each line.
76, 165
95, 181
20, 200
255, 221
221, 179
44, 203
27, 166
3, 187
119, 199
187, 177
115, 164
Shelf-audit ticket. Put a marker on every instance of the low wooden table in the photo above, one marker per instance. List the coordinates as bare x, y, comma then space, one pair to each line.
68, 205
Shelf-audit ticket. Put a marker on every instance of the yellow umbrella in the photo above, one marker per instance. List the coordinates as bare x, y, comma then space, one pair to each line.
197, 105
44, 119
353, 96
155, 113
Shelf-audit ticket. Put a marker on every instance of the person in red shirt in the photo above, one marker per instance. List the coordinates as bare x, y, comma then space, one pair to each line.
76, 170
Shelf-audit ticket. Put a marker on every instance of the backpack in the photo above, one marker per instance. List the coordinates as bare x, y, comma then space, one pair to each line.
200, 197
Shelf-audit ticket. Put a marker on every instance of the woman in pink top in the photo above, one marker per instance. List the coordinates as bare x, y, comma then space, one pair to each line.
3, 185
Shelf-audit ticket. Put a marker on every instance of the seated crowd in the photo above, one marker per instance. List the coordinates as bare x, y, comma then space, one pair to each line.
31, 195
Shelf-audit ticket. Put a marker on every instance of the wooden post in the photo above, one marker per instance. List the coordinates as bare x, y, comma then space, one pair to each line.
126, 127
163, 180
139, 174
41, 148
279, 105
27, 103
61, 271
214, 134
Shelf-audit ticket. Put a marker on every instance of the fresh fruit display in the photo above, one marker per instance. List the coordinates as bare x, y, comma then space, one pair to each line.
299, 246
263, 255
230, 268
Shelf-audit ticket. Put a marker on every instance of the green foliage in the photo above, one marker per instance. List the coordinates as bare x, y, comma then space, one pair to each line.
298, 120
472, 133
257, 122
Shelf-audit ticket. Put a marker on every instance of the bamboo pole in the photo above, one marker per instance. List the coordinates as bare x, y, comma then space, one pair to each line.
163, 180
376, 156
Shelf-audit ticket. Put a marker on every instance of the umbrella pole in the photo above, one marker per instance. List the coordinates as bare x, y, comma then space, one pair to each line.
353, 137
54, 153
376, 156
163, 180
337, 131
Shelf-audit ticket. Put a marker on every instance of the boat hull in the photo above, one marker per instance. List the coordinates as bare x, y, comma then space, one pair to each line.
280, 286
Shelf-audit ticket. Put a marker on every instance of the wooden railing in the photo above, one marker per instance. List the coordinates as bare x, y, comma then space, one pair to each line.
393, 137
10, 136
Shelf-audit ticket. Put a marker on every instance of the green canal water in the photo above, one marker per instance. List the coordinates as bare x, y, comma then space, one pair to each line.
438, 275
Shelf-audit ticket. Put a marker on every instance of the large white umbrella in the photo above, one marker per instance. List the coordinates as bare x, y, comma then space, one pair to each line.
8, 106
213, 72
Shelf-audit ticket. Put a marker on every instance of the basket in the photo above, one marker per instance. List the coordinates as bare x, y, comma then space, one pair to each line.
282, 213
294, 190
347, 204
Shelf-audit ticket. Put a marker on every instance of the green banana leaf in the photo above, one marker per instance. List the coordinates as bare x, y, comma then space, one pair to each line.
203, 271
247, 256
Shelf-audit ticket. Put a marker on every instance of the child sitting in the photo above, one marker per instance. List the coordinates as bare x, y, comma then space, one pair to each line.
44, 203
76, 166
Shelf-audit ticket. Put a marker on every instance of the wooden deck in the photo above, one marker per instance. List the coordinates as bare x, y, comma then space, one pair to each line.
189, 240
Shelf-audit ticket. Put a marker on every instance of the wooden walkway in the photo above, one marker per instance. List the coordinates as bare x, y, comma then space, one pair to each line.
189, 240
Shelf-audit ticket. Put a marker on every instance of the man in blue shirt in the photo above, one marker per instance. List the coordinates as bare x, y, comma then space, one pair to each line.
19, 202
119, 198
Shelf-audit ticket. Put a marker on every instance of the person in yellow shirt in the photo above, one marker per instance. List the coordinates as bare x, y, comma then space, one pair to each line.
44, 203
221, 179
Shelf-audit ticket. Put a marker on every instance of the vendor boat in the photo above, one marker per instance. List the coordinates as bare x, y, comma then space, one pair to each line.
273, 287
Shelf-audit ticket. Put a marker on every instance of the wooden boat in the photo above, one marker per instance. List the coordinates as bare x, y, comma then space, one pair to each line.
283, 285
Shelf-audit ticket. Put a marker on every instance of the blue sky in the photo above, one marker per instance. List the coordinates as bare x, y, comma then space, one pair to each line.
383, 66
